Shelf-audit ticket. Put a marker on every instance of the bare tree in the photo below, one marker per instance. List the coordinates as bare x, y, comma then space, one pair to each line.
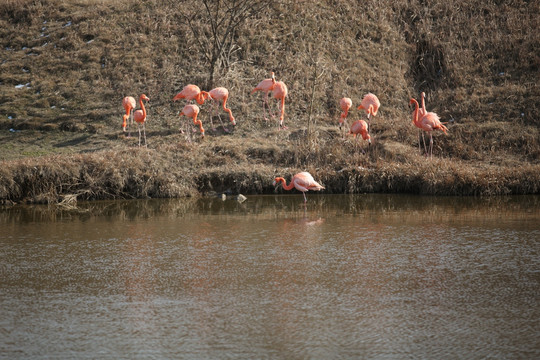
214, 29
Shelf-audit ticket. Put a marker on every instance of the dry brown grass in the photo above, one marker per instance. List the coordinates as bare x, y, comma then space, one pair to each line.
477, 61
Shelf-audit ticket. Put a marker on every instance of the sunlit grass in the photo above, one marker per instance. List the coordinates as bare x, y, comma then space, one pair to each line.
476, 61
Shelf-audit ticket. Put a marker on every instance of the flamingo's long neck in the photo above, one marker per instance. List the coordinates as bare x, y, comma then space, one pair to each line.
415, 113
423, 104
365, 134
198, 122
142, 107
201, 97
282, 109
284, 184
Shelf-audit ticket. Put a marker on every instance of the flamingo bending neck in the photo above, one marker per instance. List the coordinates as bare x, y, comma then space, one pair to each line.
284, 183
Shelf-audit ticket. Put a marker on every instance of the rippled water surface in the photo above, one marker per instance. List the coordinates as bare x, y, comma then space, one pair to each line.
369, 276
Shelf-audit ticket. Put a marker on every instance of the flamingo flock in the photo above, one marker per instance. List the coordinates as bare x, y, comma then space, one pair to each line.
425, 121
219, 95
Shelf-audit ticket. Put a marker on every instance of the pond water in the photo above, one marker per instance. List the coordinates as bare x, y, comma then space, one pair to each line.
366, 276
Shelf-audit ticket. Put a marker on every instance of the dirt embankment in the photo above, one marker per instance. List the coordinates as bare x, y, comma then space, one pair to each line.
65, 66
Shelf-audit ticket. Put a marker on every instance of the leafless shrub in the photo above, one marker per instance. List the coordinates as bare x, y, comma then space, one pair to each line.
215, 26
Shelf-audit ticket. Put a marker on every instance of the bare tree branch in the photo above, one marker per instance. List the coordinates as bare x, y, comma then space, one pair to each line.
214, 29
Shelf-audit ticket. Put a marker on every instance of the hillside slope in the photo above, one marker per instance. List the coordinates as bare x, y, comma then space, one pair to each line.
66, 65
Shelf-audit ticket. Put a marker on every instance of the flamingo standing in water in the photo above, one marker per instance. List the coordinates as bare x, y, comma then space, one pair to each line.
190, 92
371, 104
280, 93
266, 86
360, 127
302, 182
140, 117
219, 94
428, 122
192, 111
345, 104
129, 104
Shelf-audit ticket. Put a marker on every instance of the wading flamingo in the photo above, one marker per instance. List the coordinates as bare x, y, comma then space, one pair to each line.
280, 93
371, 104
345, 104
302, 182
360, 127
219, 94
429, 122
190, 92
140, 117
129, 105
266, 86
192, 111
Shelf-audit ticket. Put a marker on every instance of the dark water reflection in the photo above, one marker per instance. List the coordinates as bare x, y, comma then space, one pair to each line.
368, 276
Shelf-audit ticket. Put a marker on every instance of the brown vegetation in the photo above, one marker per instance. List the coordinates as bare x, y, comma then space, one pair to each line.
66, 65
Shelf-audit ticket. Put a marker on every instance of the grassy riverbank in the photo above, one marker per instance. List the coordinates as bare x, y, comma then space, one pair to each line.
65, 67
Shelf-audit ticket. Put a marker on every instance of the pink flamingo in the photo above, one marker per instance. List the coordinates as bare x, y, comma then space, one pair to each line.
360, 127
190, 92
302, 182
219, 94
345, 104
371, 104
266, 86
129, 104
280, 93
192, 111
429, 122
140, 117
